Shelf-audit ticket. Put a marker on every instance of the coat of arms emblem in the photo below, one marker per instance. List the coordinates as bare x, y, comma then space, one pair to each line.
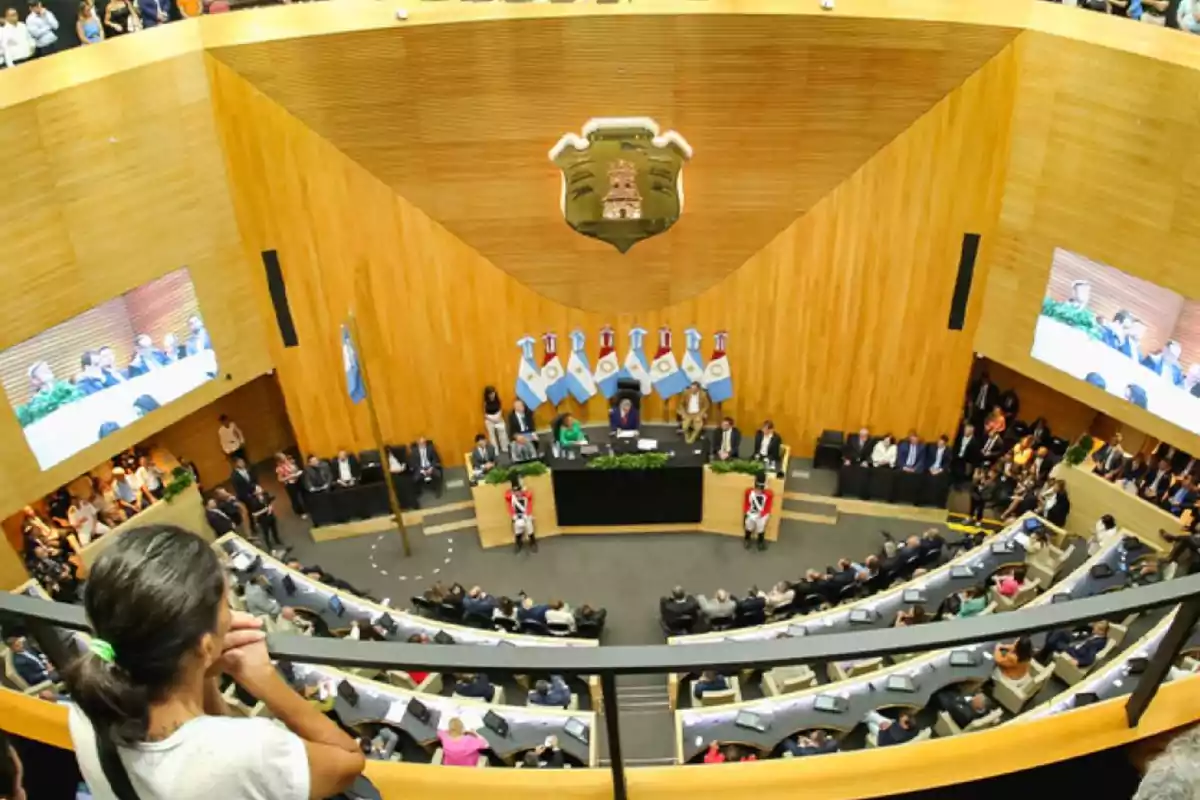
622, 180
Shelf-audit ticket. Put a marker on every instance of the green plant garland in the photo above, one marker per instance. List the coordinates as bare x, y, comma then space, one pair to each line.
1082, 318
1077, 452
45, 403
181, 479
504, 474
739, 465
630, 461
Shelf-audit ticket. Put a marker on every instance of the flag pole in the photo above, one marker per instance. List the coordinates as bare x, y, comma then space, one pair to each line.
377, 433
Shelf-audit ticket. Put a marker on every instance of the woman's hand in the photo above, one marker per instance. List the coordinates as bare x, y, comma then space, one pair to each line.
244, 654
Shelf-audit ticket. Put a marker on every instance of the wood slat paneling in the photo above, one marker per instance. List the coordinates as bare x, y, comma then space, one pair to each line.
779, 111
1088, 173
840, 320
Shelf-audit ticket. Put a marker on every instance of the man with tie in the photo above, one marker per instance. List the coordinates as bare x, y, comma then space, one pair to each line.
523, 450
1155, 483
757, 508
1043, 461
982, 396
858, 449
425, 465
726, 441
623, 417
910, 456
520, 509
30, 664
243, 479
345, 469
218, 520
483, 457
520, 423
937, 456
318, 477
767, 444
1181, 496
693, 409
1109, 459
993, 448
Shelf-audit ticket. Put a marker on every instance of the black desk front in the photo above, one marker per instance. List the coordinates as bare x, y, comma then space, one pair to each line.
342, 504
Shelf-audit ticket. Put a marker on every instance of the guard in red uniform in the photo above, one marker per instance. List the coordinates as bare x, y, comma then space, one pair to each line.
757, 509
520, 508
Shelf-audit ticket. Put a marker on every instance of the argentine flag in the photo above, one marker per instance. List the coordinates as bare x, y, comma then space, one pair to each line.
579, 372
668, 379
693, 362
608, 368
553, 374
354, 379
635, 365
717, 378
530, 386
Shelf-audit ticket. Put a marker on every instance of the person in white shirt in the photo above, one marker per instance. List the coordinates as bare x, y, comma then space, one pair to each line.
1105, 529
693, 409
233, 443
42, 25
149, 478
779, 596
82, 516
15, 39
560, 613
884, 453
345, 469
939, 455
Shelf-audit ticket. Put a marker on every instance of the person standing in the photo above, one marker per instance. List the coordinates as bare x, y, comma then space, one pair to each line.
693, 410
757, 508
493, 419
233, 443
154, 12
16, 40
261, 505
289, 474
42, 25
121, 17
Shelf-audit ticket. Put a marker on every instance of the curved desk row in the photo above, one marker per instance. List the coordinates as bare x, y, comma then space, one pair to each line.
528, 726
790, 713
314, 597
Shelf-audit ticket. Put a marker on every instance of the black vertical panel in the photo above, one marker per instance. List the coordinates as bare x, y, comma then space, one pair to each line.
962, 286
283, 312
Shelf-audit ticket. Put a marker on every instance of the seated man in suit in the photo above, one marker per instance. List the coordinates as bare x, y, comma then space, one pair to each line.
678, 609
624, 417
218, 520
767, 444
483, 457
586, 616
693, 410
345, 469
815, 744
857, 450
720, 606
937, 455
554, 693
475, 685
910, 455
709, 681
478, 603
31, 665
530, 610
1081, 645
726, 441
1043, 461
1181, 496
523, 450
1156, 482
888, 732
932, 541
1109, 459
754, 603
963, 708
424, 463
128, 498
520, 423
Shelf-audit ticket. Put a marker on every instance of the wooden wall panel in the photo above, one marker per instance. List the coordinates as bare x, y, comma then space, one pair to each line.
1067, 416
121, 181
1086, 174
841, 320
779, 109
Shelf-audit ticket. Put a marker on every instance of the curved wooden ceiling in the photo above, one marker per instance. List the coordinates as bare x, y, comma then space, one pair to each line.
458, 118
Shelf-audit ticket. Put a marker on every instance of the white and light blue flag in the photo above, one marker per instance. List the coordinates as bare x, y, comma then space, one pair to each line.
355, 386
635, 365
669, 379
530, 386
608, 368
718, 380
693, 362
579, 372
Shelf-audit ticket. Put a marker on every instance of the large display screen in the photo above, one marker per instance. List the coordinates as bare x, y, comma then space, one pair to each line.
1127, 336
79, 381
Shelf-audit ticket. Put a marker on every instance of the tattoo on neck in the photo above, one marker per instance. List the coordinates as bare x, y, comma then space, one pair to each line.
164, 732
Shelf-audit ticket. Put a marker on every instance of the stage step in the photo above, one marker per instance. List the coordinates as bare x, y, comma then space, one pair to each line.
447, 527
805, 516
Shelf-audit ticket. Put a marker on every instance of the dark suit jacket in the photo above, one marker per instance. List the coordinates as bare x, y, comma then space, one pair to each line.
856, 451
219, 521
902, 456
479, 687
1164, 482
751, 605
1047, 464
735, 441
972, 454
515, 421
318, 478
630, 423
489, 457
414, 456
1058, 512
672, 610
991, 397
963, 713
243, 487
1189, 499
772, 450
931, 457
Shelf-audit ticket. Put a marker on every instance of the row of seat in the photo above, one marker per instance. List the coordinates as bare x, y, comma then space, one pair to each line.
453, 613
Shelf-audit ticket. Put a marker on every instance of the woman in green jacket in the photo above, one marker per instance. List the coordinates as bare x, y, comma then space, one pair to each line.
570, 432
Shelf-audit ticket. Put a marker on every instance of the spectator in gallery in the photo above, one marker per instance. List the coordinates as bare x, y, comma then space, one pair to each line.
520, 422
996, 422
87, 24
198, 339
1156, 482
726, 440
570, 432
121, 17
693, 410
346, 470
261, 505
150, 477
288, 473
966, 452
17, 42
483, 457
493, 419
233, 442
992, 449
1165, 362
623, 416
154, 12
317, 475
146, 358
128, 498
983, 395
910, 455
42, 25
1109, 458
1181, 496
884, 452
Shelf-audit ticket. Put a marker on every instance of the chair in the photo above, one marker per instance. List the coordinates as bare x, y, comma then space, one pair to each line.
783, 680
682, 627
1027, 591
477, 621
559, 628
1045, 567
849, 592
720, 623
946, 726
437, 759
1073, 674
14, 677
534, 627
589, 629
829, 449
844, 670
431, 685
497, 697
1014, 695
723, 697
742, 620
873, 741
450, 612
506, 624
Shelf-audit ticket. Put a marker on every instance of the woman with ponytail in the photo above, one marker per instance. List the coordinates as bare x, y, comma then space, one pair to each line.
150, 721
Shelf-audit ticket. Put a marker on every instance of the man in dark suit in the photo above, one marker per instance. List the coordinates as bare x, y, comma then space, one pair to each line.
857, 449
982, 396
966, 453
726, 441
963, 708
520, 423
424, 463
1156, 482
243, 479
318, 477
752, 603
1181, 496
30, 664
623, 416
767, 443
1043, 461
1110, 458
678, 608
483, 457
992, 449
910, 455
218, 520
938, 455
1058, 505
345, 469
